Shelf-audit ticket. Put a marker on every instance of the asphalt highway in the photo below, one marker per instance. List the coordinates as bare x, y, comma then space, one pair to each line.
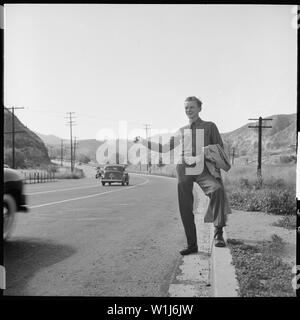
84, 239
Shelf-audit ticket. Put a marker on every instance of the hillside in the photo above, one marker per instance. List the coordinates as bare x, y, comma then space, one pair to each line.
86, 148
278, 140
49, 139
30, 150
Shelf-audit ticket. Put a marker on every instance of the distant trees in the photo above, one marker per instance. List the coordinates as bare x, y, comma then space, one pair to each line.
83, 158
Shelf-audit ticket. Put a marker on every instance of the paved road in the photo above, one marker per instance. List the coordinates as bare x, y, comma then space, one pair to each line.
81, 238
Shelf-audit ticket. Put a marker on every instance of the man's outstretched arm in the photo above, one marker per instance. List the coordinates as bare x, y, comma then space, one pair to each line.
157, 147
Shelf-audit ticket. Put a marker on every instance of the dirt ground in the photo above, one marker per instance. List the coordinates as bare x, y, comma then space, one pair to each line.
251, 227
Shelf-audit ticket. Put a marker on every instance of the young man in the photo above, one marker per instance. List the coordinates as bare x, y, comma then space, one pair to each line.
211, 185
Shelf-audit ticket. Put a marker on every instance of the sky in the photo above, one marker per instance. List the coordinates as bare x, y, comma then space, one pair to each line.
137, 63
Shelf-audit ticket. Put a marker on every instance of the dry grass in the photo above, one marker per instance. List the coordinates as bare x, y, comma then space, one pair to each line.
271, 173
277, 194
260, 269
65, 173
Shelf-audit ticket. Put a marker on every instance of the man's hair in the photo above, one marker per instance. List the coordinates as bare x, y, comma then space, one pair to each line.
199, 102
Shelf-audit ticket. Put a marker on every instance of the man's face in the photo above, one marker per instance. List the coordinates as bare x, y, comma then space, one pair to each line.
192, 109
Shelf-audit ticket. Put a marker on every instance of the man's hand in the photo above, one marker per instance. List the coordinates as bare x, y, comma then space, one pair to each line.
193, 159
189, 160
137, 139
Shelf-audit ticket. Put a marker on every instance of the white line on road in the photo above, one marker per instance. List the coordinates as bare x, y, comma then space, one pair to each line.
75, 219
93, 186
89, 196
87, 187
153, 175
58, 190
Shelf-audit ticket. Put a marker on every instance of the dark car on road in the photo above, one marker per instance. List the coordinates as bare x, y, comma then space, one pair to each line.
115, 173
13, 199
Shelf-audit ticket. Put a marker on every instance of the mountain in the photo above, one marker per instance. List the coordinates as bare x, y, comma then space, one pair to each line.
30, 150
278, 140
89, 147
49, 139
86, 148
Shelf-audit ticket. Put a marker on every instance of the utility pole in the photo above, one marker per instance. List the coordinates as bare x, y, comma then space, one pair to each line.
260, 127
148, 128
71, 124
61, 152
13, 132
160, 158
75, 145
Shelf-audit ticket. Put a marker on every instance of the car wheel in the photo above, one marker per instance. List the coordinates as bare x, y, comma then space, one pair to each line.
103, 183
9, 215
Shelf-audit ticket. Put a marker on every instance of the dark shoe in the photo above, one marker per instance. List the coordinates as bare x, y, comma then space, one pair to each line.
218, 236
220, 242
189, 250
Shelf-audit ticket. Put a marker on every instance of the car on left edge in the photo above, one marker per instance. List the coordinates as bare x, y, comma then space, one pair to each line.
14, 199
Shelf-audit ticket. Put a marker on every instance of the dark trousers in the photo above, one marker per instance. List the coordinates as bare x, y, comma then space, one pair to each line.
212, 187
